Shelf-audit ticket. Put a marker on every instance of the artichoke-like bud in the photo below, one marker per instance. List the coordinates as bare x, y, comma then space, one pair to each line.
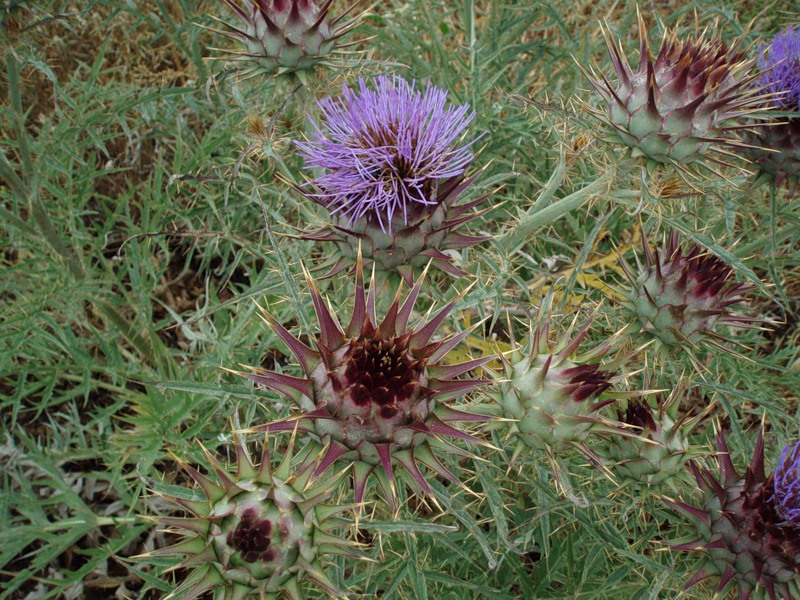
682, 107
658, 451
259, 532
682, 294
749, 528
373, 394
393, 160
775, 146
551, 392
284, 36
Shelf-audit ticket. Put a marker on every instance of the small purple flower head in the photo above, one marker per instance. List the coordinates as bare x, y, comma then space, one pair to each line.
385, 150
781, 63
787, 485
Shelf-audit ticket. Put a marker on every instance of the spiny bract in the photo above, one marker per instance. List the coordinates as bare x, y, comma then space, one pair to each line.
393, 160
682, 294
548, 390
259, 532
681, 107
373, 394
749, 528
283, 36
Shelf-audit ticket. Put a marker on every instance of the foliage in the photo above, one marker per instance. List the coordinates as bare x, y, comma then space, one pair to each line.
149, 207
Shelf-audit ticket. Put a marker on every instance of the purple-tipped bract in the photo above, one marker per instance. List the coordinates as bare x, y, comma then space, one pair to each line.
283, 36
742, 526
682, 294
682, 107
259, 532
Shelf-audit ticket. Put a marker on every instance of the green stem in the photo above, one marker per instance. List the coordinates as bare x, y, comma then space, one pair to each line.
18, 185
15, 93
49, 233
11, 178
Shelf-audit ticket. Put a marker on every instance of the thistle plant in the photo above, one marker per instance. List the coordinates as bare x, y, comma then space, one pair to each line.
682, 294
775, 146
552, 393
683, 107
259, 532
129, 259
657, 454
393, 161
749, 528
284, 36
373, 394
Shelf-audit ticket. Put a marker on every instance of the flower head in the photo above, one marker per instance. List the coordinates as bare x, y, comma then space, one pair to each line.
385, 150
681, 107
780, 63
374, 393
682, 294
787, 485
259, 531
742, 526
651, 448
775, 146
551, 391
283, 36
393, 160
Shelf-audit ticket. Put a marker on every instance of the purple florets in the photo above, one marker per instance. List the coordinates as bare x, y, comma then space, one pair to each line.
787, 485
385, 150
781, 62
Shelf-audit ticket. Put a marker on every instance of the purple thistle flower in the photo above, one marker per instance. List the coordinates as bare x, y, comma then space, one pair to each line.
781, 66
385, 150
787, 485
775, 145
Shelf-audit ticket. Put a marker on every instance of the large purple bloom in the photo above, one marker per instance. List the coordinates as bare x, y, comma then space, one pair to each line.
775, 145
787, 485
781, 66
386, 149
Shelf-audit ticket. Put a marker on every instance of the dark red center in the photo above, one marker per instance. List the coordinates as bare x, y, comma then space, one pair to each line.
251, 538
638, 413
382, 372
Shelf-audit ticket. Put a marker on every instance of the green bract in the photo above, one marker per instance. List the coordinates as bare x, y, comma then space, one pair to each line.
657, 452
548, 390
682, 294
